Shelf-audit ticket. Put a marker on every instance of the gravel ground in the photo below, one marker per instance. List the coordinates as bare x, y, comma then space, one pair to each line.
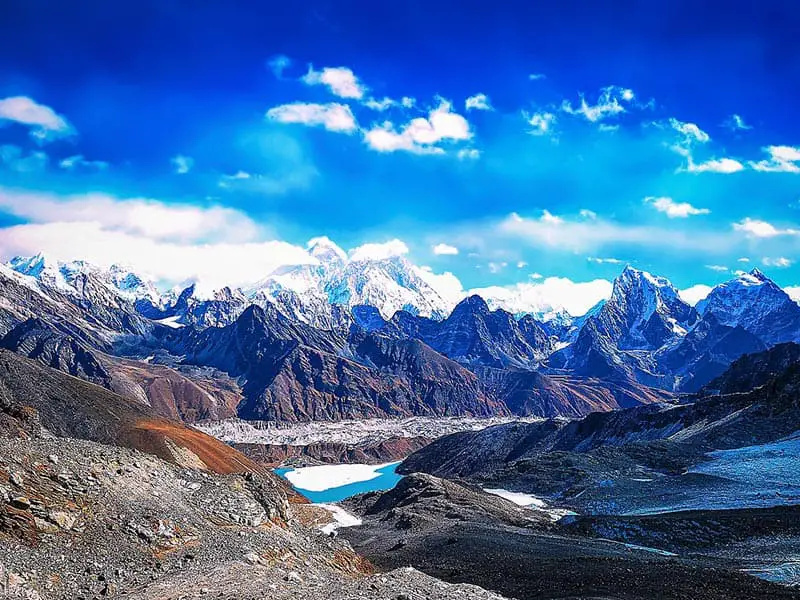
80, 520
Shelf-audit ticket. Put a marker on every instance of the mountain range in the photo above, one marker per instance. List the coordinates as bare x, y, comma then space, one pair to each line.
349, 338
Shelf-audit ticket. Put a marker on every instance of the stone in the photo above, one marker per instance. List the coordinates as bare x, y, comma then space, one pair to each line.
53, 459
16, 479
252, 558
45, 526
21, 502
61, 518
293, 577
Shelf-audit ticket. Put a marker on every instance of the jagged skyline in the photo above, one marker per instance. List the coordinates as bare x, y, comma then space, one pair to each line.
549, 157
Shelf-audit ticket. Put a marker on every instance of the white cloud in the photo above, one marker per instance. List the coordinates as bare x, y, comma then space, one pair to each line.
714, 165
611, 102
380, 105
216, 246
496, 267
238, 175
478, 102
674, 210
446, 284
541, 122
45, 124
469, 154
521, 264
421, 135
605, 261
761, 229
743, 259
72, 163
141, 217
717, 268
278, 64
782, 159
341, 81
13, 158
781, 262
691, 135
332, 116
537, 76
211, 265
183, 164
583, 235
407, 102
736, 123
694, 294
445, 249
298, 177
548, 217
548, 295
794, 292
588, 214
690, 131
379, 251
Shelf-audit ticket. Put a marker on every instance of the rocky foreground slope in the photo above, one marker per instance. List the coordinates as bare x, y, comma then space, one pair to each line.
99, 498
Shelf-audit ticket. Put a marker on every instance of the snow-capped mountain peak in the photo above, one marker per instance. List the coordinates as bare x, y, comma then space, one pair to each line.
756, 303
39, 266
70, 277
326, 251
644, 310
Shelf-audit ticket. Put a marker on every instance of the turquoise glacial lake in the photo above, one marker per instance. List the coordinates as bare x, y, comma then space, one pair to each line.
386, 479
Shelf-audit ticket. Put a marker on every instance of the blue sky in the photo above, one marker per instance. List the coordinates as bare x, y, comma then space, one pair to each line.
532, 140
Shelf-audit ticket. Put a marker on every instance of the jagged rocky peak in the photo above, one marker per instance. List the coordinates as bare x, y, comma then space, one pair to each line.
474, 304
651, 292
30, 265
644, 311
41, 267
757, 304
732, 299
82, 278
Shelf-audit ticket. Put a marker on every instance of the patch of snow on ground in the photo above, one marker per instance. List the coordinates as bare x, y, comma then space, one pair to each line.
170, 322
341, 518
530, 501
325, 477
517, 497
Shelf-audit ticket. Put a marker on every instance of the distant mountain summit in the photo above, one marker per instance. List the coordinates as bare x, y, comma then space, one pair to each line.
355, 335
757, 304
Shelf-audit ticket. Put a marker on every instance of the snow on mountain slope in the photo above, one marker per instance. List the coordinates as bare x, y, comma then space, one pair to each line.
308, 292
644, 311
73, 278
757, 304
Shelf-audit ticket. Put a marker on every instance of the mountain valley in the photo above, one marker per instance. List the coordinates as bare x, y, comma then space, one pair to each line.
642, 450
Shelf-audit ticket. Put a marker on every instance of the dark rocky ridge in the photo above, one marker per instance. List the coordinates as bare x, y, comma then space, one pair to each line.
373, 453
464, 534
754, 370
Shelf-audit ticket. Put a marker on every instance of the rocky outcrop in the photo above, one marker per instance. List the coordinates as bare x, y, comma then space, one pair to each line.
70, 407
373, 453
474, 335
530, 393
764, 415
755, 370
